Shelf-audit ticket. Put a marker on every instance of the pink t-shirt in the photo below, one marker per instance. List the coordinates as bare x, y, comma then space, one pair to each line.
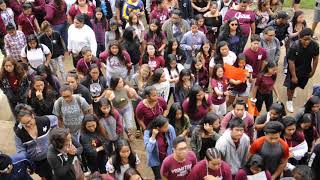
148, 114
255, 59
173, 169
222, 84
200, 113
161, 15
245, 18
200, 170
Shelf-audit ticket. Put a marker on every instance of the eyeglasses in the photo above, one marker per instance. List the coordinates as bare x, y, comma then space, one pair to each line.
234, 24
27, 123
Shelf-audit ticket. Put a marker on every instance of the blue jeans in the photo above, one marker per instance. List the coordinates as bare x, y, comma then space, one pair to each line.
62, 29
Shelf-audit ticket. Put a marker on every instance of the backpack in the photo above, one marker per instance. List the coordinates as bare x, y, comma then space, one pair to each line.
26, 52
73, 96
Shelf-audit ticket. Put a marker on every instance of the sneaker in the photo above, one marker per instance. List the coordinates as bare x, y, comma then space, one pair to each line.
290, 106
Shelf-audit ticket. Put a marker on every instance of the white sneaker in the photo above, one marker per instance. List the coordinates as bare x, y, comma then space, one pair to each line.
290, 106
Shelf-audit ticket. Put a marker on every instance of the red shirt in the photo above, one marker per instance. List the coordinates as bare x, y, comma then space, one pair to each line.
14, 82
148, 114
27, 24
200, 170
75, 10
173, 169
222, 84
161, 15
255, 59
155, 63
200, 113
265, 84
162, 146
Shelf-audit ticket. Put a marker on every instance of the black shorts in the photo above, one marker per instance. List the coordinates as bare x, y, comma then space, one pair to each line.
43, 169
302, 82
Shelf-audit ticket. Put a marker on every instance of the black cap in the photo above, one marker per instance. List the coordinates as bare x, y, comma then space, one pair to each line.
283, 15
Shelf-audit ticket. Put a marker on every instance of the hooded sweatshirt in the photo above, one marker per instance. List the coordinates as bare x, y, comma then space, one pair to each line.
236, 157
272, 47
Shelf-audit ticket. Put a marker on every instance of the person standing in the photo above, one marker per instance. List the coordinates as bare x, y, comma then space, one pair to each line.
14, 41
271, 44
303, 57
179, 164
234, 145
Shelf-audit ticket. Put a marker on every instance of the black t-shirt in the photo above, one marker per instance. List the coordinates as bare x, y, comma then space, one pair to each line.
84, 92
314, 162
302, 57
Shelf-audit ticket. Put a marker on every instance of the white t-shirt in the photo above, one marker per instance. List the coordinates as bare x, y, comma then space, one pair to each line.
37, 56
230, 59
173, 73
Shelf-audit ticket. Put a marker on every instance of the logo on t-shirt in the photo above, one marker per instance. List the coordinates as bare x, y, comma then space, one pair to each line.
259, 56
182, 171
239, 15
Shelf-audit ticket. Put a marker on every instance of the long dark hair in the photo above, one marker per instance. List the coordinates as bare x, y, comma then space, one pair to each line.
218, 59
295, 18
60, 4
103, 102
116, 159
117, 31
168, 49
157, 122
34, 80
172, 115
120, 53
193, 99
45, 69
18, 71
128, 34
279, 108
269, 66
30, 38
103, 18
210, 118
158, 34
226, 28
145, 58
155, 78
193, 65
310, 103
255, 160
99, 129
183, 72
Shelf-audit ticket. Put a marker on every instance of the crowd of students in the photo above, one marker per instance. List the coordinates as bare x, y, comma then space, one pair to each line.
177, 74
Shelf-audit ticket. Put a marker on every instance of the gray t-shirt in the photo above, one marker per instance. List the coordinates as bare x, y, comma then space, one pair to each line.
72, 112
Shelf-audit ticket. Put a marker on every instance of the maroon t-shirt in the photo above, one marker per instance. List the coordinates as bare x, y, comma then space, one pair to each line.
154, 63
245, 18
172, 169
84, 67
201, 170
27, 24
222, 84
148, 114
201, 111
265, 84
161, 15
14, 82
162, 146
255, 59
297, 138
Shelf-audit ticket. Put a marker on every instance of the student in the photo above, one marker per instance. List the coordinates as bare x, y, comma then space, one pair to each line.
200, 23
135, 6
131, 43
150, 107
200, 73
219, 84
161, 83
179, 120
112, 34
254, 166
304, 125
155, 35
48, 77
32, 138
271, 44
14, 41
272, 148
70, 110
303, 59
74, 82
256, 55
239, 111
205, 135
205, 54
276, 113
158, 140
197, 105
265, 86
99, 26
123, 159
192, 41
63, 154
93, 138
179, 164
15, 167
234, 145
160, 12
53, 40
172, 71
183, 86
314, 161
137, 25
132, 174
303, 172
27, 22
152, 57
13, 82
110, 120
211, 167
281, 25
213, 22
263, 15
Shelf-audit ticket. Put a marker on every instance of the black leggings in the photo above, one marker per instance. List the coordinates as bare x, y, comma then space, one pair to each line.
156, 172
266, 98
97, 163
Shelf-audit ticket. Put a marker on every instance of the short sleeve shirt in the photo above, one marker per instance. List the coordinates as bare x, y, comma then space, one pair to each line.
302, 57
173, 169
255, 59
245, 18
222, 85
200, 113
272, 153
36, 56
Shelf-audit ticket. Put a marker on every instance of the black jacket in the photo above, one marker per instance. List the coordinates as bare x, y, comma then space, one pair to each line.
44, 106
55, 43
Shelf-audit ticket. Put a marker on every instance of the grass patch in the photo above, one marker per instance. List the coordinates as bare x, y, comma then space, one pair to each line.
304, 4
